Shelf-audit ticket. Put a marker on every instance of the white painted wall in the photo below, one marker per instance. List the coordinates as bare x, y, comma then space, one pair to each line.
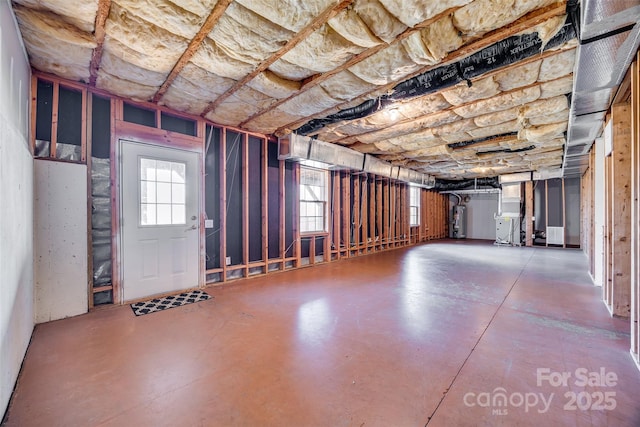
60, 220
599, 213
16, 206
481, 209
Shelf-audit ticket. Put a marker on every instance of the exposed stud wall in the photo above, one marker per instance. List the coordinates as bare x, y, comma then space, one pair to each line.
16, 206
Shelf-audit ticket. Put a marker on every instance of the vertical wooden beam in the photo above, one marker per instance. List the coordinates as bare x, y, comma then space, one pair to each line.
281, 207
564, 216
33, 116
296, 214
365, 212
635, 223
356, 213
116, 112
346, 211
621, 238
528, 216
635, 210
380, 211
336, 228
54, 119
371, 240
87, 150
606, 289
245, 202
312, 250
83, 127
264, 161
223, 203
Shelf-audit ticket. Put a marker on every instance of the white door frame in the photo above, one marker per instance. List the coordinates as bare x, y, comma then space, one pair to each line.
117, 235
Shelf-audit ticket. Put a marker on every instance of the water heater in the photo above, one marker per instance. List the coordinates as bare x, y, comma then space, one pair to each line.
458, 225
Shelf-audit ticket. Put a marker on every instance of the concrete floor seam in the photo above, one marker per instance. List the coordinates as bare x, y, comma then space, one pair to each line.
495, 313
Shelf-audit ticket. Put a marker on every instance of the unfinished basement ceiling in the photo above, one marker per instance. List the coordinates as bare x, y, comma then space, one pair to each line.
452, 88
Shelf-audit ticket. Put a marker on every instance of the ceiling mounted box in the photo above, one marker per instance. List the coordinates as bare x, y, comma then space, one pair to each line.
293, 147
515, 177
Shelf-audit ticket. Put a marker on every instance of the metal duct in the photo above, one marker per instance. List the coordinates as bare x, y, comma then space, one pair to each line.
376, 166
609, 39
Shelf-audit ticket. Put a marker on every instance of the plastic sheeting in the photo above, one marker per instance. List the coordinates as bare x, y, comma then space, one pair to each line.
101, 225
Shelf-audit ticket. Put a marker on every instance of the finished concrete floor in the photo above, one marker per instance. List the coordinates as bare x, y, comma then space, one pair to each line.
449, 333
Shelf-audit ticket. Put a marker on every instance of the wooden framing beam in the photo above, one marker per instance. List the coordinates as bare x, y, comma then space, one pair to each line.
371, 238
223, 203
54, 119
96, 56
529, 20
264, 160
245, 202
195, 43
296, 213
89, 140
356, 213
336, 229
316, 23
635, 209
528, 203
281, 207
621, 210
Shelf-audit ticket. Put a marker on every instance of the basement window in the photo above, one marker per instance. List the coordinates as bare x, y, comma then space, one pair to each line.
414, 206
162, 192
313, 200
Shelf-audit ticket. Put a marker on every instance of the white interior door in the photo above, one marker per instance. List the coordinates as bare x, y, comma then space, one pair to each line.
159, 223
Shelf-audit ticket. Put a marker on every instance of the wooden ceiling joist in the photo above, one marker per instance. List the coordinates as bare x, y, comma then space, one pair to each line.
529, 20
322, 77
316, 23
213, 18
96, 56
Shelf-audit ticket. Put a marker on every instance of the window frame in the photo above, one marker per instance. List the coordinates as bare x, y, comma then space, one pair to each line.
324, 203
418, 207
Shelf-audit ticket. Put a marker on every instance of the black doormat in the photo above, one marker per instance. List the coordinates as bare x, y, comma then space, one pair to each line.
159, 304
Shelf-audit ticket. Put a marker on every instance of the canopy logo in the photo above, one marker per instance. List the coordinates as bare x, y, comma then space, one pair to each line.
593, 397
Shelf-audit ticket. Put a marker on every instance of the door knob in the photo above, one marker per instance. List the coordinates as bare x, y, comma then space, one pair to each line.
194, 217
193, 227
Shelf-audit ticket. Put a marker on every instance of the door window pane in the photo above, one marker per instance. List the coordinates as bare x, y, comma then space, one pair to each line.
162, 192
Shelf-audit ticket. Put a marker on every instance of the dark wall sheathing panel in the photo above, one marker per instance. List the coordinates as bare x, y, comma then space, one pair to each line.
44, 109
177, 124
320, 245
305, 247
234, 197
255, 198
101, 127
139, 115
572, 208
212, 196
289, 190
554, 200
69, 117
273, 200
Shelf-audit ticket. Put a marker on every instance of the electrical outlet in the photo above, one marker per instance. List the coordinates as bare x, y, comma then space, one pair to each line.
208, 223
228, 260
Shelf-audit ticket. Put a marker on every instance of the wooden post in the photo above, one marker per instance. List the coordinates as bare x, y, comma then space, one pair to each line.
356, 214
281, 207
223, 204
87, 149
379, 217
296, 214
371, 240
54, 119
621, 213
346, 211
635, 210
528, 202
336, 228
264, 159
245, 202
